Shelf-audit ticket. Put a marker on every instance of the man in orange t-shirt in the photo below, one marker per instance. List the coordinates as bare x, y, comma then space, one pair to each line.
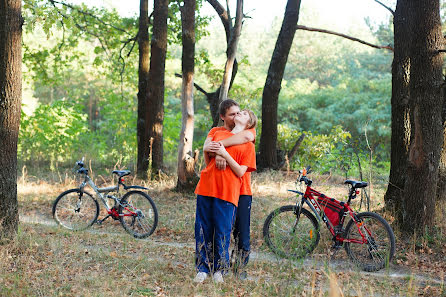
242, 225
217, 197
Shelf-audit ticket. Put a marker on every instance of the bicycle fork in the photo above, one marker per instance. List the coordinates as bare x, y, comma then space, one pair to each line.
297, 213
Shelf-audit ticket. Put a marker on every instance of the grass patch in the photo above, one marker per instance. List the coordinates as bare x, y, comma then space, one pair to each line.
45, 260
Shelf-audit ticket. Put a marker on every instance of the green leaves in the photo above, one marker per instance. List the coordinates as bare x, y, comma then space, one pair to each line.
52, 132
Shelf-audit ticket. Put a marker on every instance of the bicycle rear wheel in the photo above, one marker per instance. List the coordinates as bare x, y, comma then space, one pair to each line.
138, 214
75, 210
379, 249
289, 236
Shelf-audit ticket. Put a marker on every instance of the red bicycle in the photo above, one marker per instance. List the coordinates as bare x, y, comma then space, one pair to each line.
292, 231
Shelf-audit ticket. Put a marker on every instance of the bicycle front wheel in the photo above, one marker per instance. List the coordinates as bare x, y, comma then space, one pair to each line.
138, 214
290, 236
75, 210
379, 248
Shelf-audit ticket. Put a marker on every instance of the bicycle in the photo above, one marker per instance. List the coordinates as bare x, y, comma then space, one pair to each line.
292, 231
77, 210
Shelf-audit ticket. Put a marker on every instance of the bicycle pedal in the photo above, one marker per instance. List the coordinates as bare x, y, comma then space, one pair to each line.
337, 245
99, 222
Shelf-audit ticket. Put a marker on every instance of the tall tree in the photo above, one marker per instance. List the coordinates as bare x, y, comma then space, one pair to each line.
271, 90
401, 126
425, 104
150, 140
187, 177
213, 98
231, 51
143, 89
11, 22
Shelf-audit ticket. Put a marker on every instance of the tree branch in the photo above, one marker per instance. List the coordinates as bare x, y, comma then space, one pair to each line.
296, 146
385, 6
195, 85
223, 14
289, 155
85, 13
299, 27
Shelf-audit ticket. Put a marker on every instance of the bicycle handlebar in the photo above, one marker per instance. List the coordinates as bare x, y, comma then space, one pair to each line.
302, 176
306, 180
82, 169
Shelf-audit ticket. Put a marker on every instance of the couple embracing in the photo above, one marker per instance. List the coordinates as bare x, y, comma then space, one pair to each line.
224, 193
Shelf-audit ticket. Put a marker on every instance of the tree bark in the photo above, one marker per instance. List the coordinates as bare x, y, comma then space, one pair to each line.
143, 90
10, 102
154, 107
270, 97
156, 82
426, 102
187, 178
401, 126
441, 189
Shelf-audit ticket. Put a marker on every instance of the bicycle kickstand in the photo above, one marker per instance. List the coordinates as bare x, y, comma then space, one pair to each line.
99, 222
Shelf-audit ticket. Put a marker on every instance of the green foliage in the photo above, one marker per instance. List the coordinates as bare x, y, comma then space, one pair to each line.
322, 151
115, 135
172, 129
335, 90
52, 132
174, 22
358, 105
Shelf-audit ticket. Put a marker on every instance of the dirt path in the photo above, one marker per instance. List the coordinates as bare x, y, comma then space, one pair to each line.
395, 272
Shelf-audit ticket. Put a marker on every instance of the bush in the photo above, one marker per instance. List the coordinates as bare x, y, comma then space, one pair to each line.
51, 133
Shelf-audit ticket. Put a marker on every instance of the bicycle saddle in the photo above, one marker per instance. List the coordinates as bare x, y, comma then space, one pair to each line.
121, 173
356, 184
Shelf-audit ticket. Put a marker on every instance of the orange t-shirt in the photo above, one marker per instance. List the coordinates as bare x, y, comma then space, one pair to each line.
224, 184
245, 188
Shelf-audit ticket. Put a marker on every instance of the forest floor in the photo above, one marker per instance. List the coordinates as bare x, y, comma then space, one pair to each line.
104, 260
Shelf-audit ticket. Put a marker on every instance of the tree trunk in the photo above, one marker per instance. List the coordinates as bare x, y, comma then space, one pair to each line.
156, 81
143, 90
441, 189
231, 51
214, 98
270, 98
401, 127
154, 107
10, 101
187, 178
426, 102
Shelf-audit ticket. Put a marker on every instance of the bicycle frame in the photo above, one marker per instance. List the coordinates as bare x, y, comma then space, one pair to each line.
110, 210
309, 198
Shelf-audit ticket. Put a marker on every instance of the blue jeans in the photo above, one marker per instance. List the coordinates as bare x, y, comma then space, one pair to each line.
242, 229
213, 224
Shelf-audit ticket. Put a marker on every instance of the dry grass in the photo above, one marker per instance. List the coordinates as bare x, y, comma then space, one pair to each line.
105, 261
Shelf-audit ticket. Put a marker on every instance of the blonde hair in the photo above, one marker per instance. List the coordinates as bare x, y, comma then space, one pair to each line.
252, 119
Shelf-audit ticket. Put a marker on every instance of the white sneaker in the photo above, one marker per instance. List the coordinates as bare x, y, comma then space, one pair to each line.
218, 277
200, 277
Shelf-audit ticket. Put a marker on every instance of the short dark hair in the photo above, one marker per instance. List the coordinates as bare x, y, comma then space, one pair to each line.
225, 105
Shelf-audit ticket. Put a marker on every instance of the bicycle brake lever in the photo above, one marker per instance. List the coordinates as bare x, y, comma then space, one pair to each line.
308, 169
